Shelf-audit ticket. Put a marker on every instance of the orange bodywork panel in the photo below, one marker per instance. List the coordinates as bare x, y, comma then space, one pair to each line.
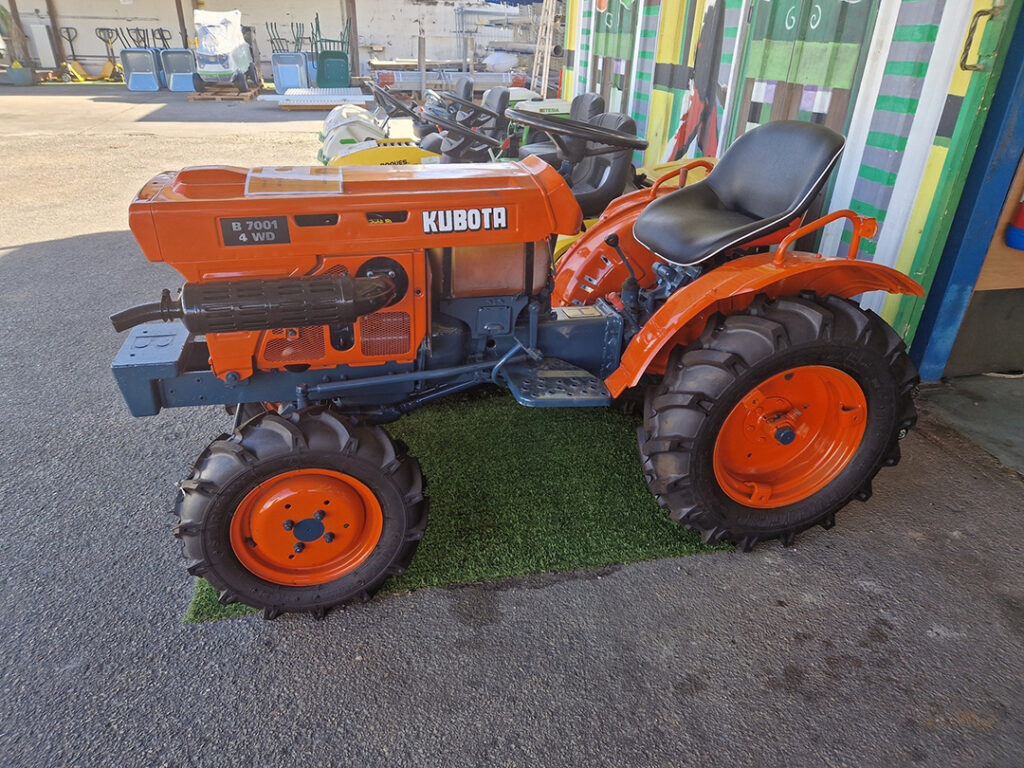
590, 269
731, 288
225, 223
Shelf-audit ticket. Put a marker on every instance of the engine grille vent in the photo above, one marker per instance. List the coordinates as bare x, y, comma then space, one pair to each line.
307, 345
385, 333
337, 269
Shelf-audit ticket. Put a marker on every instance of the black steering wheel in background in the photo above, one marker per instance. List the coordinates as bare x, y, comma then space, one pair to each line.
563, 131
392, 105
471, 139
478, 115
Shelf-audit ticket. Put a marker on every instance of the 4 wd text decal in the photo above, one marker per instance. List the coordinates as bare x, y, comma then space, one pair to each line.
465, 220
260, 230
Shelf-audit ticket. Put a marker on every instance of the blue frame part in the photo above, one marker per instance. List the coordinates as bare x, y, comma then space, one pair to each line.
988, 183
162, 365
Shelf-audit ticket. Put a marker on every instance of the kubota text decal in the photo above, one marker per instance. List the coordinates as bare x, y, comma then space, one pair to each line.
465, 220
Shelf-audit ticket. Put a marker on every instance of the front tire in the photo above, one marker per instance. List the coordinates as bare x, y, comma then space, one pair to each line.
301, 513
776, 418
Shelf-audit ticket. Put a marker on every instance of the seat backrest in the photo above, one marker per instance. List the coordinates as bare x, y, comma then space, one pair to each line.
776, 168
496, 99
464, 88
586, 107
599, 179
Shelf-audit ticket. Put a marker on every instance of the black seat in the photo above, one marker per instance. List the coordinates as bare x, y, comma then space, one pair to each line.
432, 142
464, 88
461, 149
496, 99
584, 108
767, 178
598, 179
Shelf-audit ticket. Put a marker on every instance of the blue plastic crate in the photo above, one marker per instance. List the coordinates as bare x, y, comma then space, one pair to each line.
290, 71
142, 70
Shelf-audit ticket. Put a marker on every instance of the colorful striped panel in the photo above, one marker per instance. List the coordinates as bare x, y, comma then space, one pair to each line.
902, 81
643, 69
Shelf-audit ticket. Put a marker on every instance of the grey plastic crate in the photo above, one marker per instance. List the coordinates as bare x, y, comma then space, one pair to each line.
179, 66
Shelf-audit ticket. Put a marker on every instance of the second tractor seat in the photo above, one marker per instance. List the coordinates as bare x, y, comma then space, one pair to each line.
767, 178
598, 179
584, 108
460, 149
496, 99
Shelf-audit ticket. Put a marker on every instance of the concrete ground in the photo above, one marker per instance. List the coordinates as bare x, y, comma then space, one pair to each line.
893, 640
989, 409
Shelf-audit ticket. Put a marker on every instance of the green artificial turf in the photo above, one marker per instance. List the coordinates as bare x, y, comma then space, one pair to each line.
518, 490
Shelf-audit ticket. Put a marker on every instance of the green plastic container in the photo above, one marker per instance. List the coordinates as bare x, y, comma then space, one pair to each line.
332, 70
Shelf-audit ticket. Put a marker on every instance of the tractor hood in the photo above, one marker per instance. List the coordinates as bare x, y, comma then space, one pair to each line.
224, 222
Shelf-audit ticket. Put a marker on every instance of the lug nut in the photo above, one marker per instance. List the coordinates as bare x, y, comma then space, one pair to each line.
299, 546
319, 514
328, 537
288, 525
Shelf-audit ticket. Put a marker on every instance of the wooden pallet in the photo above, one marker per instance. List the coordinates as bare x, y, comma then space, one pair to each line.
224, 93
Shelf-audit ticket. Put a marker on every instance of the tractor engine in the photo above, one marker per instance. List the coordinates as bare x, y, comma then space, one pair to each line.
343, 274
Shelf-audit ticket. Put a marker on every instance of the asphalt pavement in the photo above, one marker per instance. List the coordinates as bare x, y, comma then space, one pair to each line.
895, 639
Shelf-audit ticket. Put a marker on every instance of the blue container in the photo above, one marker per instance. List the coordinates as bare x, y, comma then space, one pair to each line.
21, 76
142, 70
290, 71
1015, 237
179, 68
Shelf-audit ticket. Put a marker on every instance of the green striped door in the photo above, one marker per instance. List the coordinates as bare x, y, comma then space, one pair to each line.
802, 61
978, 66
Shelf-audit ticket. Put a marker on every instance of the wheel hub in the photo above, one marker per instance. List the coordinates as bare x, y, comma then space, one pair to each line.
309, 529
790, 436
306, 527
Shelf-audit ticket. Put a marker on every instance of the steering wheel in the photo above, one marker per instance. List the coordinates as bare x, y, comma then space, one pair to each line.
390, 104
477, 114
560, 129
463, 130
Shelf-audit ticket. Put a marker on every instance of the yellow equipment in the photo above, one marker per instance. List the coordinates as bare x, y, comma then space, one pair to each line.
383, 152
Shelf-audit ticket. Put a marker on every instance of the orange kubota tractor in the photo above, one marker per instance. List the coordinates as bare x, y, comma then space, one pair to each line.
320, 303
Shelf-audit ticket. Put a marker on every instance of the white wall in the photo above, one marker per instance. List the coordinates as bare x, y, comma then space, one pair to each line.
391, 23
86, 15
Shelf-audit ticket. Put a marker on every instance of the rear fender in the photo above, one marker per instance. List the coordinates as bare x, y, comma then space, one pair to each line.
590, 269
732, 287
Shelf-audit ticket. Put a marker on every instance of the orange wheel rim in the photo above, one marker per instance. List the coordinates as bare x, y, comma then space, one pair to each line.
790, 436
306, 527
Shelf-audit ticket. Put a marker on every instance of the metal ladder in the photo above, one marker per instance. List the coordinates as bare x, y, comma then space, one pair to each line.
542, 58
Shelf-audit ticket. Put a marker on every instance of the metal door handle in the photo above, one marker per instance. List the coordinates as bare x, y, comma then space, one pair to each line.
977, 67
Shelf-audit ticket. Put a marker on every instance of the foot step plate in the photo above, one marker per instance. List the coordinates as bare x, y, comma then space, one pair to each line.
554, 383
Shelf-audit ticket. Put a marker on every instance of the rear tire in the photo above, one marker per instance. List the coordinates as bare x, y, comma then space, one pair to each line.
739, 387
232, 512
